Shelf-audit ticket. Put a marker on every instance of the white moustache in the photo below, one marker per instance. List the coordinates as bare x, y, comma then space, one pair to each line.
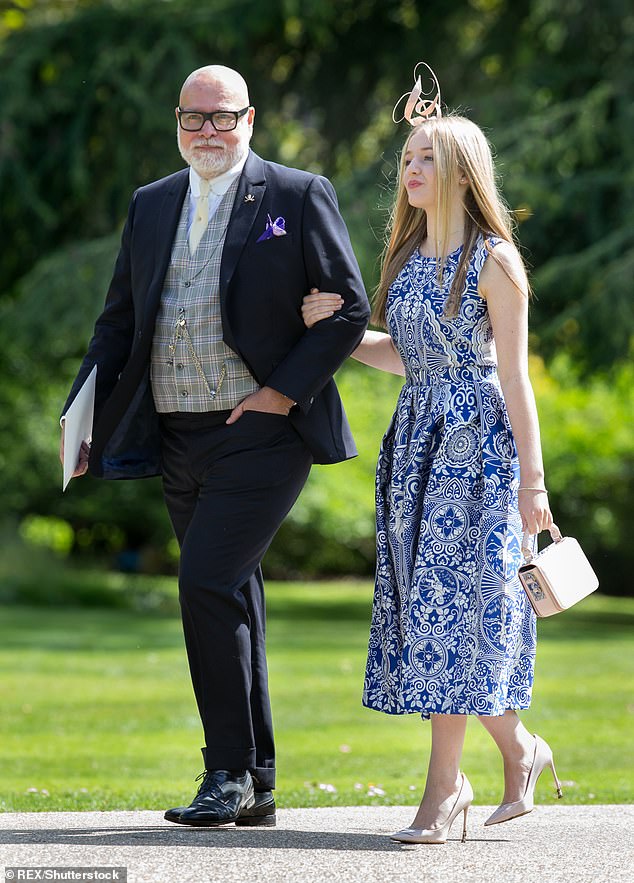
206, 143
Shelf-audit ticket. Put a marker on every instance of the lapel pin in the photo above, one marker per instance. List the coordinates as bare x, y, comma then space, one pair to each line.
249, 198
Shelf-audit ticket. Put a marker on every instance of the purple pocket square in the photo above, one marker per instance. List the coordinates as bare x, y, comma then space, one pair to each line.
273, 228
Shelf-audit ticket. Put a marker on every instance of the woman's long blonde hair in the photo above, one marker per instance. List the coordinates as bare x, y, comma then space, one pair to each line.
459, 148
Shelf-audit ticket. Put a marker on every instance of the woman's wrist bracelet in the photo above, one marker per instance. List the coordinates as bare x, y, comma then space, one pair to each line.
538, 490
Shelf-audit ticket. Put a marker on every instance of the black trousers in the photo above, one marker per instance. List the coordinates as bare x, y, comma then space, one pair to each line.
227, 490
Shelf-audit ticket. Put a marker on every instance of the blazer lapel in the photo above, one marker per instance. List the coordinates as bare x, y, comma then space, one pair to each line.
247, 203
166, 224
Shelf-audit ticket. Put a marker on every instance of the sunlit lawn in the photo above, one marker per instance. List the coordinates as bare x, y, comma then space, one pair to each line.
97, 710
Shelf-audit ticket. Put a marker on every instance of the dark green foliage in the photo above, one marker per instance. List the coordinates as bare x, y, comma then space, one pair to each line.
86, 109
87, 94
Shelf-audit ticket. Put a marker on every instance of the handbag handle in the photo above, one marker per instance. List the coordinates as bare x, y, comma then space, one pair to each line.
527, 552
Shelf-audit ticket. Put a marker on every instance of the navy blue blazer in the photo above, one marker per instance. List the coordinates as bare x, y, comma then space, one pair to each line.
261, 289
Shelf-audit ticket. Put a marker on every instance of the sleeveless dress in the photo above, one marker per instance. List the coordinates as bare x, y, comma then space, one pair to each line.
452, 631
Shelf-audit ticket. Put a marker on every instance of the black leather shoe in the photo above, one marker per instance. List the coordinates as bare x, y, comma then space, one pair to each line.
223, 795
173, 815
261, 814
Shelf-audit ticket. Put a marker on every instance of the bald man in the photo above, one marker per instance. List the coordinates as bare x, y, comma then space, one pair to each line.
208, 377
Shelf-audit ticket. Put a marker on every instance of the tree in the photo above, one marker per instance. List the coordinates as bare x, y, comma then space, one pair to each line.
88, 88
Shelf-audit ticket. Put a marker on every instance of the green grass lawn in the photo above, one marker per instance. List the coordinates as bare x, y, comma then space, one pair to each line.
97, 710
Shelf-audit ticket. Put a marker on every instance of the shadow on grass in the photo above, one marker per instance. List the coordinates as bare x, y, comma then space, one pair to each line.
577, 623
580, 623
309, 610
63, 629
99, 629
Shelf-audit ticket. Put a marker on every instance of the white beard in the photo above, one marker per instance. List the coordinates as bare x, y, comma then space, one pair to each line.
213, 162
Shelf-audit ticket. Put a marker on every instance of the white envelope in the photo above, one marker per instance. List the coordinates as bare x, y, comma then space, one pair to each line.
78, 425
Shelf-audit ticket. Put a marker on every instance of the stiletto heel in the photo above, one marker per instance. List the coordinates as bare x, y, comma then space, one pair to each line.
440, 834
560, 793
542, 758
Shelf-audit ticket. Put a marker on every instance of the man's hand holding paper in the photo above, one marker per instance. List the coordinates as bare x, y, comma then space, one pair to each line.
74, 446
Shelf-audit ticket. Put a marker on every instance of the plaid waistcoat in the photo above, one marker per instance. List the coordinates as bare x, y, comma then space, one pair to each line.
189, 319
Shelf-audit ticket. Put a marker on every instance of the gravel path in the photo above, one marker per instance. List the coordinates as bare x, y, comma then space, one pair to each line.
584, 844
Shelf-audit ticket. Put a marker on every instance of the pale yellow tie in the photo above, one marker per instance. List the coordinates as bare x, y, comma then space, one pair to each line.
201, 218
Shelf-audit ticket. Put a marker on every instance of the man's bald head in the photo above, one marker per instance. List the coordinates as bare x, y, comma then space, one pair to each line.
220, 78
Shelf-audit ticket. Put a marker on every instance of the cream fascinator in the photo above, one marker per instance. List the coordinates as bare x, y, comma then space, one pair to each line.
419, 107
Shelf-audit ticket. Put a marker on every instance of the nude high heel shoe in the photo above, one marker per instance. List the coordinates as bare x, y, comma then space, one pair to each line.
440, 834
506, 811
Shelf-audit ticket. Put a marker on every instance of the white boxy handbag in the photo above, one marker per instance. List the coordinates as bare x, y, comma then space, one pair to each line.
558, 576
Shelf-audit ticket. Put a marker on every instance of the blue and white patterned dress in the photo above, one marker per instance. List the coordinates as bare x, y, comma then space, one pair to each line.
452, 631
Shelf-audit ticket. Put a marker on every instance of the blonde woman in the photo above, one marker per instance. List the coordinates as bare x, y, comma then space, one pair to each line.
459, 475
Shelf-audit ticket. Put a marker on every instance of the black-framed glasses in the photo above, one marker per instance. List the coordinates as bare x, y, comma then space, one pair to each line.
221, 120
